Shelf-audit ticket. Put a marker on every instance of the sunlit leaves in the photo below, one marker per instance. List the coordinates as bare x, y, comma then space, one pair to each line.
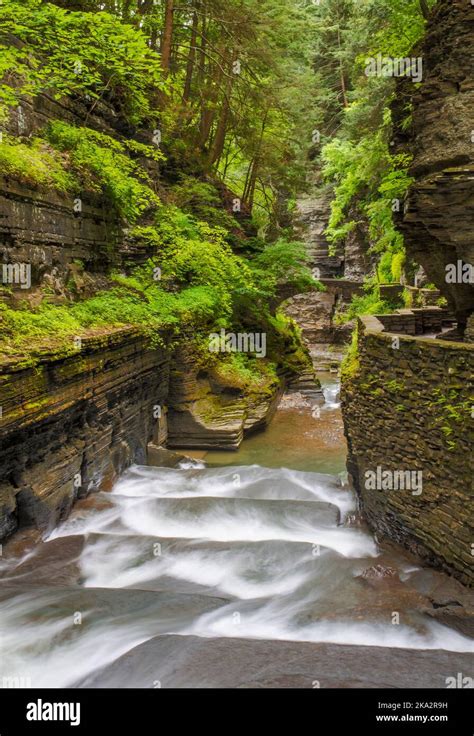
88, 53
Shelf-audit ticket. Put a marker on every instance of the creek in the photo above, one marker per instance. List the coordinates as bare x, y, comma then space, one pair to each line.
228, 570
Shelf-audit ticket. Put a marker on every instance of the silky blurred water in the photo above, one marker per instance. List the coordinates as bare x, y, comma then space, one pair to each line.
269, 549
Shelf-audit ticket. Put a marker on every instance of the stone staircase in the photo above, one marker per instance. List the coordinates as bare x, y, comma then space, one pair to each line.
311, 222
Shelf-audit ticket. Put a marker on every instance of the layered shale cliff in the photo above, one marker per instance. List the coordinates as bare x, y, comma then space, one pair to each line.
70, 425
439, 211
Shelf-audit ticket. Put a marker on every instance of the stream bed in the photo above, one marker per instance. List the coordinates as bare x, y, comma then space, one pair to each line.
248, 569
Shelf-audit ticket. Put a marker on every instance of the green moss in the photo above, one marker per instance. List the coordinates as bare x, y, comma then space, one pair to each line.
32, 405
53, 327
35, 163
395, 386
350, 365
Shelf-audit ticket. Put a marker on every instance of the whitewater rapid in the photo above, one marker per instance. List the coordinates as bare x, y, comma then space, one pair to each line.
244, 551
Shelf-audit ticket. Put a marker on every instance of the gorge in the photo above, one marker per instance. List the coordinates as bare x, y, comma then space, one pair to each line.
215, 341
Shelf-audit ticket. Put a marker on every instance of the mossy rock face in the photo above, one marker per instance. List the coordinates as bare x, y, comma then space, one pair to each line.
212, 409
409, 409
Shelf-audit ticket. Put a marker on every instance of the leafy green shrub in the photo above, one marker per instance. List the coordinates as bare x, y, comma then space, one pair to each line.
202, 200
103, 165
283, 262
191, 253
365, 174
368, 303
390, 266
76, 52
398, 262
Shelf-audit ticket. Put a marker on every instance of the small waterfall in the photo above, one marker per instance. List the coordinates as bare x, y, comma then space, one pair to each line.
216, 552
246, 552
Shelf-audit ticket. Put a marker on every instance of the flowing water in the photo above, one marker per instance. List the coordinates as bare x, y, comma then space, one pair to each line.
263, 545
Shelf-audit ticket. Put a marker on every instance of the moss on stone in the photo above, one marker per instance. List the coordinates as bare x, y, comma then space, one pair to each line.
350, 366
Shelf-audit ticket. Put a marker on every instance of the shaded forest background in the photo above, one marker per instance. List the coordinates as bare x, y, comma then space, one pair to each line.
226, 110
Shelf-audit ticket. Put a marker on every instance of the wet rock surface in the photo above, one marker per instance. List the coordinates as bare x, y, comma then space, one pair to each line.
234, 576
379, 572
177, 661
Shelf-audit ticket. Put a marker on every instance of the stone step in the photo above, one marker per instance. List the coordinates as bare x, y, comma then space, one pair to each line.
192, 661
197, 516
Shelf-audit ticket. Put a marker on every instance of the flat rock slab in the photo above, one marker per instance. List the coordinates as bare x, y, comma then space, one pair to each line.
103, 606
317, 513
54, 562
162, 458
189, 661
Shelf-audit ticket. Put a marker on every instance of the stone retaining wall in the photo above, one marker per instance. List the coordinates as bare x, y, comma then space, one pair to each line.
407, 406
416, 321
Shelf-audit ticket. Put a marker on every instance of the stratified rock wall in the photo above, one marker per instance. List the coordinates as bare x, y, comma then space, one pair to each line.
407, 403
341, 274
208, 413
311, 221
358, 262
71, 425
40, 228
439, 214
68, 251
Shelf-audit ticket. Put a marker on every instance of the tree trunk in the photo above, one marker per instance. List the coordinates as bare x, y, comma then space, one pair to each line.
341, 72
252, 184
425, 10
207, 116
252, 173
219, 138
191, 59
221, 130
208, 108
167, 35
